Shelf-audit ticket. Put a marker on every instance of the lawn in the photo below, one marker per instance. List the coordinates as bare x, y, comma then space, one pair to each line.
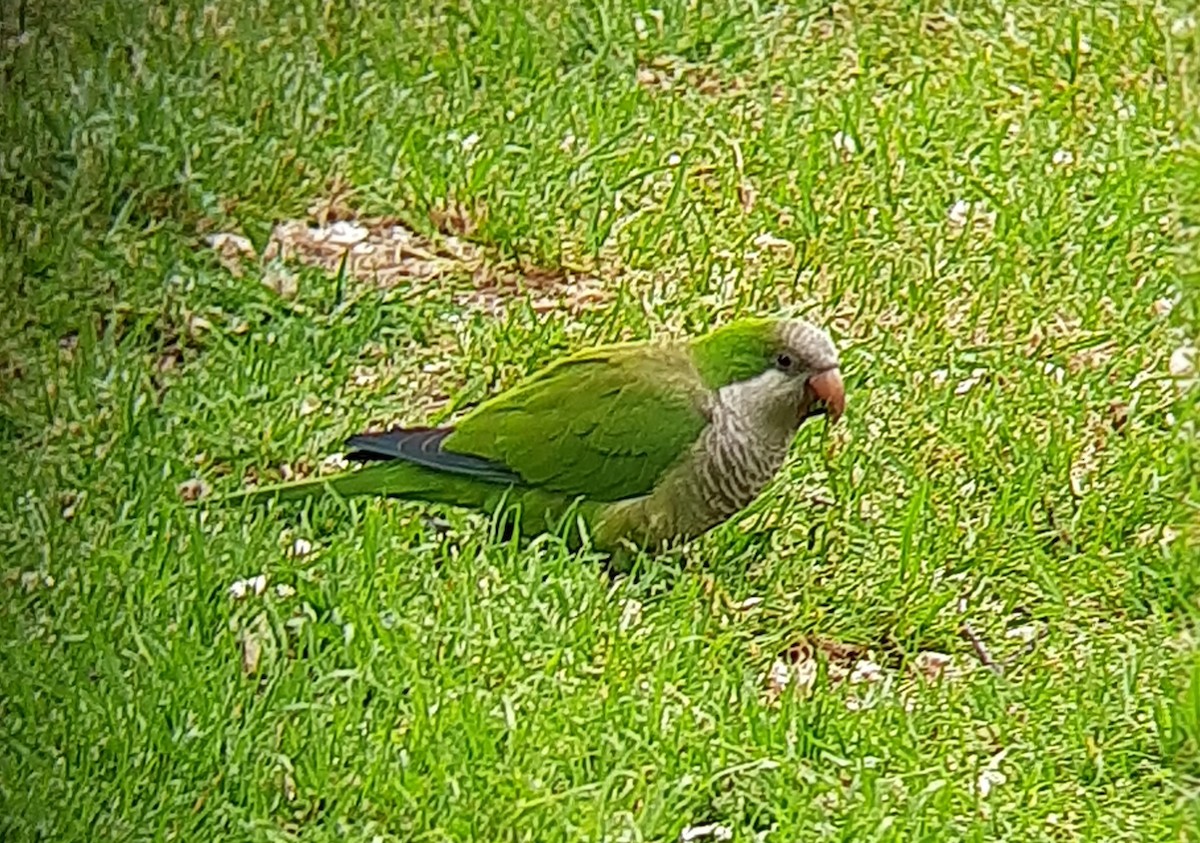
967, 612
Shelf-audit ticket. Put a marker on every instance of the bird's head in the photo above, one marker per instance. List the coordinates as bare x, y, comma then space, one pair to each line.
784, 368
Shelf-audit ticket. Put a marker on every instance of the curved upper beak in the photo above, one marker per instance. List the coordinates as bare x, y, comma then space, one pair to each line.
827, 393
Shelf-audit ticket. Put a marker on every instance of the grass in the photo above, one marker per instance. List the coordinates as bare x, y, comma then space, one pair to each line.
1015, 457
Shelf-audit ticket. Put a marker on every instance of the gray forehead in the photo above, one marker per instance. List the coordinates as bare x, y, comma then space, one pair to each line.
810, 343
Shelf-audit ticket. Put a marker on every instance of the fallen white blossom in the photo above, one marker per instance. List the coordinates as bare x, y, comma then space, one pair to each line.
241, 589
844, 144
991, 777
699, 832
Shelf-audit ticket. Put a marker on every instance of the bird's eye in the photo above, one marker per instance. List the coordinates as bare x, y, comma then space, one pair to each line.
783, 361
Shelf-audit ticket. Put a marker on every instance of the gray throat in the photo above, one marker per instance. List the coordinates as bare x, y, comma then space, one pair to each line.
739, 453
745, 443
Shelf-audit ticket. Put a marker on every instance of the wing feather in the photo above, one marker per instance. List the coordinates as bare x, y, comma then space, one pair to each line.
605, 424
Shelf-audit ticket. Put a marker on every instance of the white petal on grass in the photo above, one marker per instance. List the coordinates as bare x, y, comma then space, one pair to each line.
770, 242
991, 777
1025, 633
674, 159
301, 547
1062, 158
631, 614
283, 591
1183, 362
309, 405
470, 142
844, 144
963, 213
967, 384
802, 673
960, 213
989, 780
714, 831
241, 589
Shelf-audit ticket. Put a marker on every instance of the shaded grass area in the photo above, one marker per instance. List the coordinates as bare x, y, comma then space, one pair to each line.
992, 211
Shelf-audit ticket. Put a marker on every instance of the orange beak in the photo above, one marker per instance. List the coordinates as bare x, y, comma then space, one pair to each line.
826, 389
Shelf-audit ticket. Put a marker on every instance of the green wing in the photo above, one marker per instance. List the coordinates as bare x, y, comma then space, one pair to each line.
605, 424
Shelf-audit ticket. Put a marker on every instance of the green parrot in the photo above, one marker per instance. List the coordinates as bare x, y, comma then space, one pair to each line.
649, 443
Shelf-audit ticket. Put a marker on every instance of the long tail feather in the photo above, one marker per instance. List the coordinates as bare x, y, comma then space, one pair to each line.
394, 478
400, 478
367, 481
423, 446
404, 463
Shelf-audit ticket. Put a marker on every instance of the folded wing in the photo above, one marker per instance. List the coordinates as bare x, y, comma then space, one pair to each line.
606, 424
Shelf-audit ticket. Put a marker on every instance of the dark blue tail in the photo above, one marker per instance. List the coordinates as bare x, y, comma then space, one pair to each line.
423, 446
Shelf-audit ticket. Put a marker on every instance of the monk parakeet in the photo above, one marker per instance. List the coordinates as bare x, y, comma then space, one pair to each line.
649, 442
